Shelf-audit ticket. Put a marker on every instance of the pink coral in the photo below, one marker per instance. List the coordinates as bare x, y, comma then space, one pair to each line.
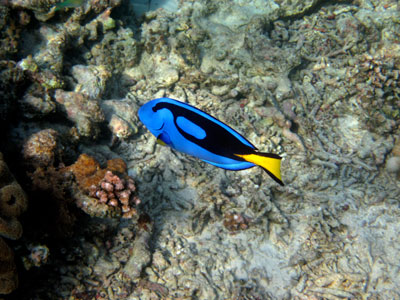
116, 192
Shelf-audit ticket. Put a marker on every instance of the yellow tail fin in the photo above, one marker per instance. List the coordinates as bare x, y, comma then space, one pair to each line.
271, 163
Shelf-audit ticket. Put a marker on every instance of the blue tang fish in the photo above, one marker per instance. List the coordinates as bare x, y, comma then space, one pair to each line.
192, 131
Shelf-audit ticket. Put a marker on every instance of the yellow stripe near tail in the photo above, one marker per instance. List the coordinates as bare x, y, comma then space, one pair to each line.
160, 142
271, 164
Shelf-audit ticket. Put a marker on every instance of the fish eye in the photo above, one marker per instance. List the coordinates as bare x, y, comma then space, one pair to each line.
151, 117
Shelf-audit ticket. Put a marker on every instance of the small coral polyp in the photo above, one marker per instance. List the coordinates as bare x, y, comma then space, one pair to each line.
104, 192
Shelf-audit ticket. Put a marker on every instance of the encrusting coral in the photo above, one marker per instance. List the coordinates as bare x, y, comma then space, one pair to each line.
13, 202
104, 192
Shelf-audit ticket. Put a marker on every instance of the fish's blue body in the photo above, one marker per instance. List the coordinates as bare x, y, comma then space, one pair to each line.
194, 132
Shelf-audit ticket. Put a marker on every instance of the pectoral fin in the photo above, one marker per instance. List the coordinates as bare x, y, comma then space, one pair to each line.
163, 139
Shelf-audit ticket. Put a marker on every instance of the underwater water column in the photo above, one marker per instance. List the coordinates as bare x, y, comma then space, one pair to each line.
143, 6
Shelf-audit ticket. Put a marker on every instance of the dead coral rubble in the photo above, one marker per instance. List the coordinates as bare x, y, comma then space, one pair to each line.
13, 202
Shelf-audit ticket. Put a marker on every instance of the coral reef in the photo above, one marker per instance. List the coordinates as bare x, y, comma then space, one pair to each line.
104, 192
13, 202
119, 127
44, 59
11, 25
41, 9
42, 149
117, 50
141, 254
91, 80
11, 83
99, 192
43, 154
122, 116
393, 162
236, 221
38, 256
85, 113
314, 81
114, 191
376, 78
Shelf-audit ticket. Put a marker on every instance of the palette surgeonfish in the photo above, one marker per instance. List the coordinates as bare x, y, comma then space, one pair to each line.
192, 131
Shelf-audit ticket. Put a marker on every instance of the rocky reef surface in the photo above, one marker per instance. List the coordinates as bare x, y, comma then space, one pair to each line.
113, 215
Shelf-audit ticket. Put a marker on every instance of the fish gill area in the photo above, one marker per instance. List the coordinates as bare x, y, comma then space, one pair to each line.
91, 207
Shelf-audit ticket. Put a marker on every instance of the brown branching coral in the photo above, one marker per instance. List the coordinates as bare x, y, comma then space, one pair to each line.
13, 202
104, 192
